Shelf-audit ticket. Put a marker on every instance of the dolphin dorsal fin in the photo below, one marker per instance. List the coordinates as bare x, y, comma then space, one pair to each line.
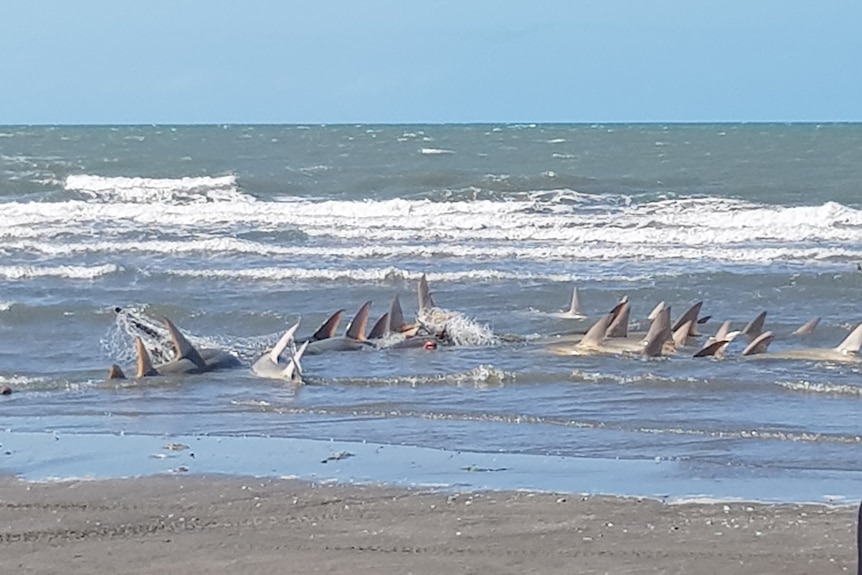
327, 328
293, 371
356, 327
713, 349
755, 327
759, 344
655, 311
689, 315
425, 301
575, 308
283, 342
807, 328
659, 332
852, 343
680, 335
396, 316
115, 372
183, 348
596, 334
619, 326
381, 326
145, 364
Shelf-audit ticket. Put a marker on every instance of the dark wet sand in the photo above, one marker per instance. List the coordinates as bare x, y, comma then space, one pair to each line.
187, 524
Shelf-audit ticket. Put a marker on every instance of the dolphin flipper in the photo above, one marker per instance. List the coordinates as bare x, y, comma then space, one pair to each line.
755, 327
327, 328
713, 349
689, 315
659, 332
619, 326
425, 300
807, 328
182, 347
283, 343
115, 372
381, 326
396, 316
293, 371
575, 310
145, 363
356, 327
759, 344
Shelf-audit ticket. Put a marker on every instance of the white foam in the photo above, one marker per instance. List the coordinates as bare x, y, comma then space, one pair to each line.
435, 151
546, 225
149, 190
69, 272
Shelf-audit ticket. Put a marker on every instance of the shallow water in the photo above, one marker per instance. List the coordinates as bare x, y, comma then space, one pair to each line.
235, 232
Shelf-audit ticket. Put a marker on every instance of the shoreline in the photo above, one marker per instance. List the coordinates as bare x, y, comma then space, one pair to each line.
233, 524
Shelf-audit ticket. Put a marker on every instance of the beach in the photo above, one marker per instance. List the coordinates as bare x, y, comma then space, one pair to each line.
227, 524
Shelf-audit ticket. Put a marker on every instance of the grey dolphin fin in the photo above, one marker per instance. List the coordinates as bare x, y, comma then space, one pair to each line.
680, 335
659, 332
293, 371
575, 307
596, 334
713, 349
755, 327
396, 316
327, 328
425, 300
704, 319
807, 328
689, 315
759, 344
619, 326
145, 364
283, 342
378, 331
722, 332
655, 311
183, 348
356, 327
115, 372
852, 343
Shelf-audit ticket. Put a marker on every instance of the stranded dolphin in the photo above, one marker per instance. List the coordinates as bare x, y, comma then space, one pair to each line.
353, 338
187, 358
272, 365
846, 351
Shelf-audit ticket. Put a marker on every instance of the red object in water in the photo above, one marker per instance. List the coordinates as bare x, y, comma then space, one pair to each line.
429, 345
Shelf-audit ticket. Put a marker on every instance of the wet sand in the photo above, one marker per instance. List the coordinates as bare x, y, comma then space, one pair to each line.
182, 524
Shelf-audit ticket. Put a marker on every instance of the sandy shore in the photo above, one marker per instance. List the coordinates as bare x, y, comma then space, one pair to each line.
183, 524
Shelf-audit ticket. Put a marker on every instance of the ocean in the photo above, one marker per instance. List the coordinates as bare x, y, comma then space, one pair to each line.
235, 232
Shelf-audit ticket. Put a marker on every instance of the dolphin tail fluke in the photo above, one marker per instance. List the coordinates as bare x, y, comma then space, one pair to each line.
396, 316
575, 307
145, 364
659, 332
689, 315
759, 344
293, 371
356, 327
619, 326
115, 372
183, 348
807, 328
425, 300
713, 349
852, 343
327, 328
283, 342
755, 327
381, 326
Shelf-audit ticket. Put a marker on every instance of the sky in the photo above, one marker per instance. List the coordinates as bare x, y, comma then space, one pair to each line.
429, 61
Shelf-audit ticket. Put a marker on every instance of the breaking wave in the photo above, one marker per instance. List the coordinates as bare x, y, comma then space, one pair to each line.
156, 190
67, 272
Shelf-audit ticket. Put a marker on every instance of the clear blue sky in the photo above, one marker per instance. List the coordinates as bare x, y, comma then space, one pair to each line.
329, 61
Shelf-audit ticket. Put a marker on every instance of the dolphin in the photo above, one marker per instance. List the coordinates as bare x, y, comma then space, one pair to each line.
187, 359
596, 340
270, 365
846, 351
353, 338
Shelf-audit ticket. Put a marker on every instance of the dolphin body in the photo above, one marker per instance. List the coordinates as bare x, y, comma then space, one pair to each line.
846, 351
274, 365
324, 339
187, 358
